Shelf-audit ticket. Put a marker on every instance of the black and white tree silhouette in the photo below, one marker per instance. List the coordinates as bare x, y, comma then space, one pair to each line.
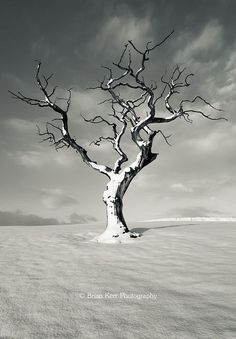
136, 116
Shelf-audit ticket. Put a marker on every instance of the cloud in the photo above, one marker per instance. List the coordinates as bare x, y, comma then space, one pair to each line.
231, 64
226, 83
179, 187
65, 159
21, 125
198, 158
41, 48
43, 156
210, 144
81, 218
30, 159
119, 29
18, 218
203, 46
84, 102
54, 198
193, 211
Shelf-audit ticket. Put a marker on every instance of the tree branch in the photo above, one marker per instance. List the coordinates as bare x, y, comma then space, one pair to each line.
66, 140
127, 112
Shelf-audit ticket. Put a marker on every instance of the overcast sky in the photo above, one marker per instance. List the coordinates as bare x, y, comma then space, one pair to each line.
194, 177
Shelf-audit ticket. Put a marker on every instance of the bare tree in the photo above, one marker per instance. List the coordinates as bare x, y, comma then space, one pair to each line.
135, 116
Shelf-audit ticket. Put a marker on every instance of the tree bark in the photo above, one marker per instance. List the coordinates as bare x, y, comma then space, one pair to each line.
116, 229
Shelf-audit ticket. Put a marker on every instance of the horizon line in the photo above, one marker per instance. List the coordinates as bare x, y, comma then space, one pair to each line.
232, 218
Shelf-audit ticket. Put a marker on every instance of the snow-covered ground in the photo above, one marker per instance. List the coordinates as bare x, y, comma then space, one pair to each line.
177, 281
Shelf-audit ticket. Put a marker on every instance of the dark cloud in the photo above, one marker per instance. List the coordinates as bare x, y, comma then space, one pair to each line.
81, 218
200, 165
18, 218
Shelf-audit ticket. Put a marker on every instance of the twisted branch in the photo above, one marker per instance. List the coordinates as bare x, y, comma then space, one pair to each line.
125, 112
66, 140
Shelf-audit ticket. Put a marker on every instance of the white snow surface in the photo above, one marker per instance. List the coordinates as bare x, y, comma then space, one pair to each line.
177, 281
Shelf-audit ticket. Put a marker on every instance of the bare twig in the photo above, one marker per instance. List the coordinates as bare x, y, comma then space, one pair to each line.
126, 112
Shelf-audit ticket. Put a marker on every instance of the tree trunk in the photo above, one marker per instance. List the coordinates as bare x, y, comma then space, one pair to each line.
117, 229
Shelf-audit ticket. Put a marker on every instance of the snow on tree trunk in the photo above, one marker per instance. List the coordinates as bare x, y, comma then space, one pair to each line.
116, 229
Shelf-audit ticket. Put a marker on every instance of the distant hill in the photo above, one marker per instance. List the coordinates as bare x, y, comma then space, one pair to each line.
209, 219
